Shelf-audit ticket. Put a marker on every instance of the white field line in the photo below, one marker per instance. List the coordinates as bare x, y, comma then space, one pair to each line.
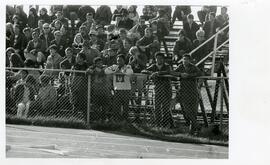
95, 135
132, 145
124, 153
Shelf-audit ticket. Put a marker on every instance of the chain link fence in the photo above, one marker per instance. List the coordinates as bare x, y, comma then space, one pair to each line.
159, 106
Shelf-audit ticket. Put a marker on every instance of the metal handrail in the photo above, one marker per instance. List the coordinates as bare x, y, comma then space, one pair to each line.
225, 42
205, 42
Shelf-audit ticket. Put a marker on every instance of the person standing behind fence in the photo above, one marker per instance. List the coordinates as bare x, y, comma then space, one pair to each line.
163, 91
100, 90
189, 97
79, 86
46, 101
122, 87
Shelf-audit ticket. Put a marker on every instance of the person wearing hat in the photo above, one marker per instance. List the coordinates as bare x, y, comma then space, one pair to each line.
125, 21
191, 27
188, 91
122, 87
163, 91
27, 33
182, 45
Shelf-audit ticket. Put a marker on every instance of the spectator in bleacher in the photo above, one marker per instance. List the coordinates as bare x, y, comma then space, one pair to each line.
139, 28
137, 61
101, 33
39, 29
203, 14
77, 42
162, 17
122, 87
32, 20
53, 61
110, 54
66, 36
151, 11
89, 52
69, 59
9, 34
160, 30
19, 42
125, 21
46, 100
182, 45
223, 17
21, 16
57, 26
100, 93
35, 56
53, 11
9, 51
127, 44
59, 42
83, 10
103, 15
210, 27
10, 11
90, 22
201, 52
97, 43
117, 12
167, 10
15, 60
123, 37
79, 86
34, 44
32, 64
28, 34
46, 37
83, 32
191, 27
71, 11
163, 91
181, 12
24, 95
189, 97
133, 14
148, 44
43, 15
61, 18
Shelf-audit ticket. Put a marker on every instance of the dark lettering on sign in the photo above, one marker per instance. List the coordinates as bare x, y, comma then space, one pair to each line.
120, 78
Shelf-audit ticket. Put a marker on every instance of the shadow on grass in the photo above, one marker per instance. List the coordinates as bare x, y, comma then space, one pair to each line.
205, 136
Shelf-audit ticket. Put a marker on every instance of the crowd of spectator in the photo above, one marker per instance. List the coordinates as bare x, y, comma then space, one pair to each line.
100, 42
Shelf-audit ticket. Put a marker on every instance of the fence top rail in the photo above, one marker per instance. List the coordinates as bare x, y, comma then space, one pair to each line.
134, 74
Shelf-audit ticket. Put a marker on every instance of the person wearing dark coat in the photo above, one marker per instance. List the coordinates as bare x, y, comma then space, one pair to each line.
181, 13
103, 15
32, 20
188, 91
125, 21
210, 27
163, 91
191, 27
43, 15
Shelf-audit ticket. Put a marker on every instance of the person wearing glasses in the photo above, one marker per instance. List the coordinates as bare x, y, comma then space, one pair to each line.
46, 37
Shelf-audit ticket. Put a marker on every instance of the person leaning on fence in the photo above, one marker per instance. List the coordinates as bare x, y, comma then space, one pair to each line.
188, 92
24, 95
163, 91
46, 100
100, 90
122, 87
79, 86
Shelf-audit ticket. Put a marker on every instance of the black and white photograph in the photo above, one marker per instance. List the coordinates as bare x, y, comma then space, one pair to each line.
117, 81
